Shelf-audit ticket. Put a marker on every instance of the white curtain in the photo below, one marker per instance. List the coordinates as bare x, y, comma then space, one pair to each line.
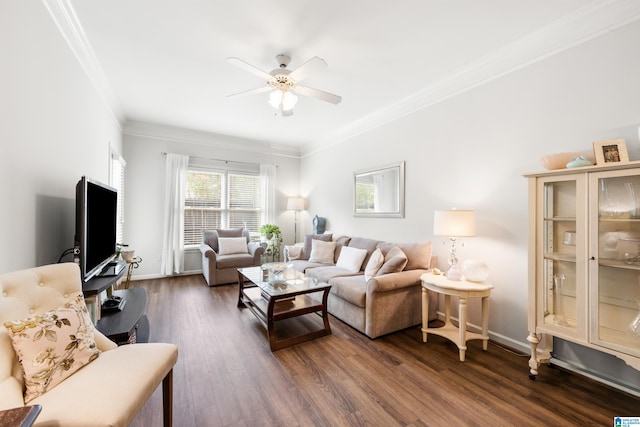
268, 192
174, 196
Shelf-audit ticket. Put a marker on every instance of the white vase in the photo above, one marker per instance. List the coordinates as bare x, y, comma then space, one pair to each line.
475, 271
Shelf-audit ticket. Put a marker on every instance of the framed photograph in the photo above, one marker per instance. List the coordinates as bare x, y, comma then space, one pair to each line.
607, 152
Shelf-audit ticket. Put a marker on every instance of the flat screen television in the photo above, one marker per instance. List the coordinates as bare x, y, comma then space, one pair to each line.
96, 216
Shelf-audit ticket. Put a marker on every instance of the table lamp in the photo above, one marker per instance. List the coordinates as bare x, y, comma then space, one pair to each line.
454, 224
295, 204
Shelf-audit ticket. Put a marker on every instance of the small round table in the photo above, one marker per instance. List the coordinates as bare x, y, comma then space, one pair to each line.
462, 289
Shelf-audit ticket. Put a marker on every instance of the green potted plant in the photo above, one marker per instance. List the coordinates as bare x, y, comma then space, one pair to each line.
271, 238
269, 231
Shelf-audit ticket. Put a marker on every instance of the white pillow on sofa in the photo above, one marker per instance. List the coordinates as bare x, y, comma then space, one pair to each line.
232, 245
351, 258
322, 252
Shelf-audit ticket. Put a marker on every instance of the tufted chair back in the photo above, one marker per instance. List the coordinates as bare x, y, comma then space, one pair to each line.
27, 293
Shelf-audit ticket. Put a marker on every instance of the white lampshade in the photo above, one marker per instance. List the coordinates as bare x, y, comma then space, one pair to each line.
454, 223
295, 204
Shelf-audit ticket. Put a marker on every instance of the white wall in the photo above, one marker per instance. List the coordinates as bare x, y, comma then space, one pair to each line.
145, 180
54, 128
471, 150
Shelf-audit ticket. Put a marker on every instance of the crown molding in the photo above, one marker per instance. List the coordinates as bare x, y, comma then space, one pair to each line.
207, 139
64, 16
595, 19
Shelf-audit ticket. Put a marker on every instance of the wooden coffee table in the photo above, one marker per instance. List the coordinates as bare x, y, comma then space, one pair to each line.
272, 301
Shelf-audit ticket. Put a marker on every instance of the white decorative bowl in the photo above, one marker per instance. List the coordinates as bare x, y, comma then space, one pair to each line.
475, 271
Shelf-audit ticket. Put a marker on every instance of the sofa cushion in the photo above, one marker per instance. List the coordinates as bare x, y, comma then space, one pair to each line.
231, 232
306, 248
326, 272
232, 245
303, 265
351, 258
418, 255
52, 346
363, 243
375, 262
322, 252
394, 261
235, 261
211, 238
352, 289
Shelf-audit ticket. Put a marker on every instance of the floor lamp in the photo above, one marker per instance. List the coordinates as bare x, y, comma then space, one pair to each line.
295, 204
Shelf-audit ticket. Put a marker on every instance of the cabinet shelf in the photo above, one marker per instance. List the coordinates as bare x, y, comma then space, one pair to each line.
560, 218
616, 263
618, 219
560, 256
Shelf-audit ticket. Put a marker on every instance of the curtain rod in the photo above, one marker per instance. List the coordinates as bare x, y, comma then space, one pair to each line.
164, 153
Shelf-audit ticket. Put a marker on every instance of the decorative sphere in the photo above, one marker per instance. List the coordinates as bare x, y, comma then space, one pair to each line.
475, 271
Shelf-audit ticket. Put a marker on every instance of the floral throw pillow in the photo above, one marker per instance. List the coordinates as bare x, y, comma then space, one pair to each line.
53, 345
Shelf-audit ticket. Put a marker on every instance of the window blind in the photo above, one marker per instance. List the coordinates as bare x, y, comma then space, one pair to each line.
117, 181
220, 199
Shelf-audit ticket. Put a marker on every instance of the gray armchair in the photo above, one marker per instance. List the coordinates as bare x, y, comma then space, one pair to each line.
220, 269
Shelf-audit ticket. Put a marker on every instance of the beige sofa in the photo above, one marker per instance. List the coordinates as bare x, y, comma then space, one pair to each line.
383, 304
110, 390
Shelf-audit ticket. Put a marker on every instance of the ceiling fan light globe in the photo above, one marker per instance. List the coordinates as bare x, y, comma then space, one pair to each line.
275, 98
289, 101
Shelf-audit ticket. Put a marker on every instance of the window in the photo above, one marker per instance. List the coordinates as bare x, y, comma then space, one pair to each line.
117, 181
220, 199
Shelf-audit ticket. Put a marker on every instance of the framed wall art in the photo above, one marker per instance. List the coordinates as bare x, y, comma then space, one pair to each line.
608, 152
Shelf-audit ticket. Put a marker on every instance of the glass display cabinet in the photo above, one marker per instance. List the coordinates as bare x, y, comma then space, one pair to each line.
584, 261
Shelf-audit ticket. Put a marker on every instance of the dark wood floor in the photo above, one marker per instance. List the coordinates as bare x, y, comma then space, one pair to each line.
227, 376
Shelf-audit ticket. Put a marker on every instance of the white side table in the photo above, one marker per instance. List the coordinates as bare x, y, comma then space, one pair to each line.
462, 289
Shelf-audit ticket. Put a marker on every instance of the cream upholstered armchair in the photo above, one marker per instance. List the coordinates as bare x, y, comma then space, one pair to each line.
220, 263
109, 390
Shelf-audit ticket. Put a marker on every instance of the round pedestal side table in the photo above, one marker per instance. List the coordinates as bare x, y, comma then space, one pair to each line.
462, 289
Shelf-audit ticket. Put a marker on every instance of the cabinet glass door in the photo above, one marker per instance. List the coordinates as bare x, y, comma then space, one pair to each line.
616, 291
562, 232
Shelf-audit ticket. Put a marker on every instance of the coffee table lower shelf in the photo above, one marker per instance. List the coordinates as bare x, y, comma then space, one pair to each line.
274, 309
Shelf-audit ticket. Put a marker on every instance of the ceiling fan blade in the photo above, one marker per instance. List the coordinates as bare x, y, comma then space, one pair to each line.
262, 89
250, 68
309, 67
316, 93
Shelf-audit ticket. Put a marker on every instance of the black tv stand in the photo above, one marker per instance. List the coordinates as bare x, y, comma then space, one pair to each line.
114, 268
127, 325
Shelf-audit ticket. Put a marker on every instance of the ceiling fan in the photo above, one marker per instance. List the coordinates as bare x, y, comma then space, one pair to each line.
282, 83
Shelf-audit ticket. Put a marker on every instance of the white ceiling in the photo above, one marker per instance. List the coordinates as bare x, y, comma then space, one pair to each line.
164, 61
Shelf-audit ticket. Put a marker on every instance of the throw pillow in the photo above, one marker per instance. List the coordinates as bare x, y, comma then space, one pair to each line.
232, 245
375, 262
394, 261
306, 248
53, 345
418, 255
351, 258
293, 252
322, 251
